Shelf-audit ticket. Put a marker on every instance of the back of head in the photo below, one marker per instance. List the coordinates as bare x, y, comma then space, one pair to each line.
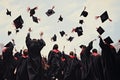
25, 51
55, 46
94, 50
71, 53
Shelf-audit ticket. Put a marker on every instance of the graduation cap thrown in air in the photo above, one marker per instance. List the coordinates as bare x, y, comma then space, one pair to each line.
62, 33
18, 22
78, 30
81, 21
17, 30
104, 17
8, 12
32, 11
50, 11
70, 38
108, 40
35, 19
9, 32
84, 13
100, 30
60, 18
54, 38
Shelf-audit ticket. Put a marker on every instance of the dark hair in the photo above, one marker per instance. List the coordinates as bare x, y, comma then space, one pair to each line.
25, 51
82, 46
94, 50
71, 53
55, 46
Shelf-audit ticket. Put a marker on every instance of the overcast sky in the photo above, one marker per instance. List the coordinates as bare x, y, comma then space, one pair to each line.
70, 11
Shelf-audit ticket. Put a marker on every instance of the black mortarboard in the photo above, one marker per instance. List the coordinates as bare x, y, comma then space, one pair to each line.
35, 19
18, 22
79, 31
54, 38
50, 11
17, 30
8, 12
62, 33
104, 17
32, 11
108, 40
8, 44
84, 13
81, 21
9, 32
100, 30
70, 38
60, 18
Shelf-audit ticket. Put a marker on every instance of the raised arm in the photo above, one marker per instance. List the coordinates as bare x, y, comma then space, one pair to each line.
41, 41
101, 43
90, 46
28, 39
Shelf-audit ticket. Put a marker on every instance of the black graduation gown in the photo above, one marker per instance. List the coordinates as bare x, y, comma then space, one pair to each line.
118, 64
86, 62
17, 57
54, 61
34, 65
9, 64
97, 69
73, 71
63, 64
108, 60
1, 69
21, 70
78, 71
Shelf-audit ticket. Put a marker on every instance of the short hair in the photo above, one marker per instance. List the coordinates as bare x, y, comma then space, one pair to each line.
82, 46
94, 50
71, 53
25, 51
55, 46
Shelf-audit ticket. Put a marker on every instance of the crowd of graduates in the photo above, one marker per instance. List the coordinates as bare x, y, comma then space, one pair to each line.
28, 64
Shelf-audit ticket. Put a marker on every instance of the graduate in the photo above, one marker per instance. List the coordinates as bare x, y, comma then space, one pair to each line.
64, 60
108, 58
85, 56
9, 61
34, 65
73, 71
96, 68
54, 61
21, 70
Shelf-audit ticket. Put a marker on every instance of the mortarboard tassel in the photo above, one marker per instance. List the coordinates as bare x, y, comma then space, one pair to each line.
38, 19
84, 8
30, 30
73, 30
96, 17
110, 20
53, 7
35, 8
28, 9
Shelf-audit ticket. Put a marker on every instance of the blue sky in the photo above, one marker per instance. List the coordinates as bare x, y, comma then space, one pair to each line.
70, 11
